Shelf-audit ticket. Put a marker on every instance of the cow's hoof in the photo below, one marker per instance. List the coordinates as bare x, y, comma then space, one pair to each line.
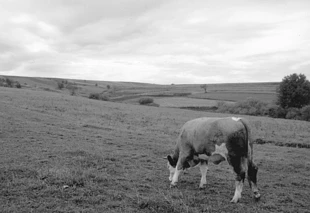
173, 185
257, 196
234, 200
201, 187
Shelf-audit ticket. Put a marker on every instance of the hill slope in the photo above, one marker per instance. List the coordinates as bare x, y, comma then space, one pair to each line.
65, 153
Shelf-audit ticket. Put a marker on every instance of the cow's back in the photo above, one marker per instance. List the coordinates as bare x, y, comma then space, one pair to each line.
202, 134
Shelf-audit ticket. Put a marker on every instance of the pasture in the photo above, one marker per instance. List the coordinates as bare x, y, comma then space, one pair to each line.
62, 153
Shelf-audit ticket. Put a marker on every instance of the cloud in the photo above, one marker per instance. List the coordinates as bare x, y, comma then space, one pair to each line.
155, 41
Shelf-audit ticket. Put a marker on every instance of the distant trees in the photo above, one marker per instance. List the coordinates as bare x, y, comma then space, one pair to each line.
293, 101
294, 91
6, 82
204, 86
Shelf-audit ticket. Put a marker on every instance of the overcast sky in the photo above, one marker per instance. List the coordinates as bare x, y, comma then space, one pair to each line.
156, 41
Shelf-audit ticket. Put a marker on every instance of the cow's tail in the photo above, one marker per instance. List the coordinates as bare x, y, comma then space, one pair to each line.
252, 168
248, 139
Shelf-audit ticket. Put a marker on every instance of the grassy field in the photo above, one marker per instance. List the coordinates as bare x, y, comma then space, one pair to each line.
62, 153
128, 92
236, 96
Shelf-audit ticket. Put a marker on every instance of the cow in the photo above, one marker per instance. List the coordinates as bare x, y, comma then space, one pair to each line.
204, 140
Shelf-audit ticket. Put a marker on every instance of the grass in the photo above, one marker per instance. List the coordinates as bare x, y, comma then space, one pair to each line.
61, 153
236, 96
184, 102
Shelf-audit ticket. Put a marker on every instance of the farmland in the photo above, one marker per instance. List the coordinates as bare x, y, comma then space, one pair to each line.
63, 153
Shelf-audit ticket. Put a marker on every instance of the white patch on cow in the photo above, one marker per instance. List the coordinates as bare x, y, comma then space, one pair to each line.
203, 169
221, 150
171, 171
235, 119
175, 177
238, 191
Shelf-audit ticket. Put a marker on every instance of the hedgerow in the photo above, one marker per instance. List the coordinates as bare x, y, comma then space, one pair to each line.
258, 108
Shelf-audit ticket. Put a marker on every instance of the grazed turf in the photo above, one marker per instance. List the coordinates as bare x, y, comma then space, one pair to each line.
70, 154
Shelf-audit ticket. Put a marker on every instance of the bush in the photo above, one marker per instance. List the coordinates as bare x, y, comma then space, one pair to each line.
18, 85
305, 113
144, 101
225, 107
248, 107
276, 111
72, 88
293, 113
98, 96
9, 82
252, 107
60, 85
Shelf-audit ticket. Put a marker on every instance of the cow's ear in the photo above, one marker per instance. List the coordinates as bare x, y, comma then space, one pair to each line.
171, 161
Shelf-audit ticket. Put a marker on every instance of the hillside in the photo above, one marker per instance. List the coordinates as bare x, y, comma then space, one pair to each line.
63, 153
129, 92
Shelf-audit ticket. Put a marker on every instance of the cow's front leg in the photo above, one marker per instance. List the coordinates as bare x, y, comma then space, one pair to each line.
203, 169
238, 191
178, 169
175, 178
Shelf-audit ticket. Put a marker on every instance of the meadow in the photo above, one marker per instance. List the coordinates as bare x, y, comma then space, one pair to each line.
63, 153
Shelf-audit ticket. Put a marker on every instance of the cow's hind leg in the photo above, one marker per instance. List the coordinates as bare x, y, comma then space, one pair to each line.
239, 165
252, 178
203, 169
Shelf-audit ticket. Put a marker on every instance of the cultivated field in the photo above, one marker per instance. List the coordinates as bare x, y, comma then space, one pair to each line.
62, 153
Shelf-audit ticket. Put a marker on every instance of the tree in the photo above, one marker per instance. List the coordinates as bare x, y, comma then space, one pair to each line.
204, 86
60, 85
294, 91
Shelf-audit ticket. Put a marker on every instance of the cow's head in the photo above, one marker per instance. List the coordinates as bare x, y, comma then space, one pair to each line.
171, 166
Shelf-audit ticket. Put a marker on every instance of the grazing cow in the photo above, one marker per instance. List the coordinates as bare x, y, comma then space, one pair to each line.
219, 139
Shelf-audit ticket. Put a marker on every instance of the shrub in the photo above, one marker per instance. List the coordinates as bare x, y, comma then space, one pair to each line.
9, 82
293, 113
225, 107
276, 111
18, 85
98, 96
60, 85
305, 113
72, 88
248, 107
144, 101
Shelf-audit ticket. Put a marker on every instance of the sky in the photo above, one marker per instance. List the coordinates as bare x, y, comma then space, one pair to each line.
156, 41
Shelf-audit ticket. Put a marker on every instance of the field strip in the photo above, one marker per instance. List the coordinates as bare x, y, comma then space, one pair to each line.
277, 143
